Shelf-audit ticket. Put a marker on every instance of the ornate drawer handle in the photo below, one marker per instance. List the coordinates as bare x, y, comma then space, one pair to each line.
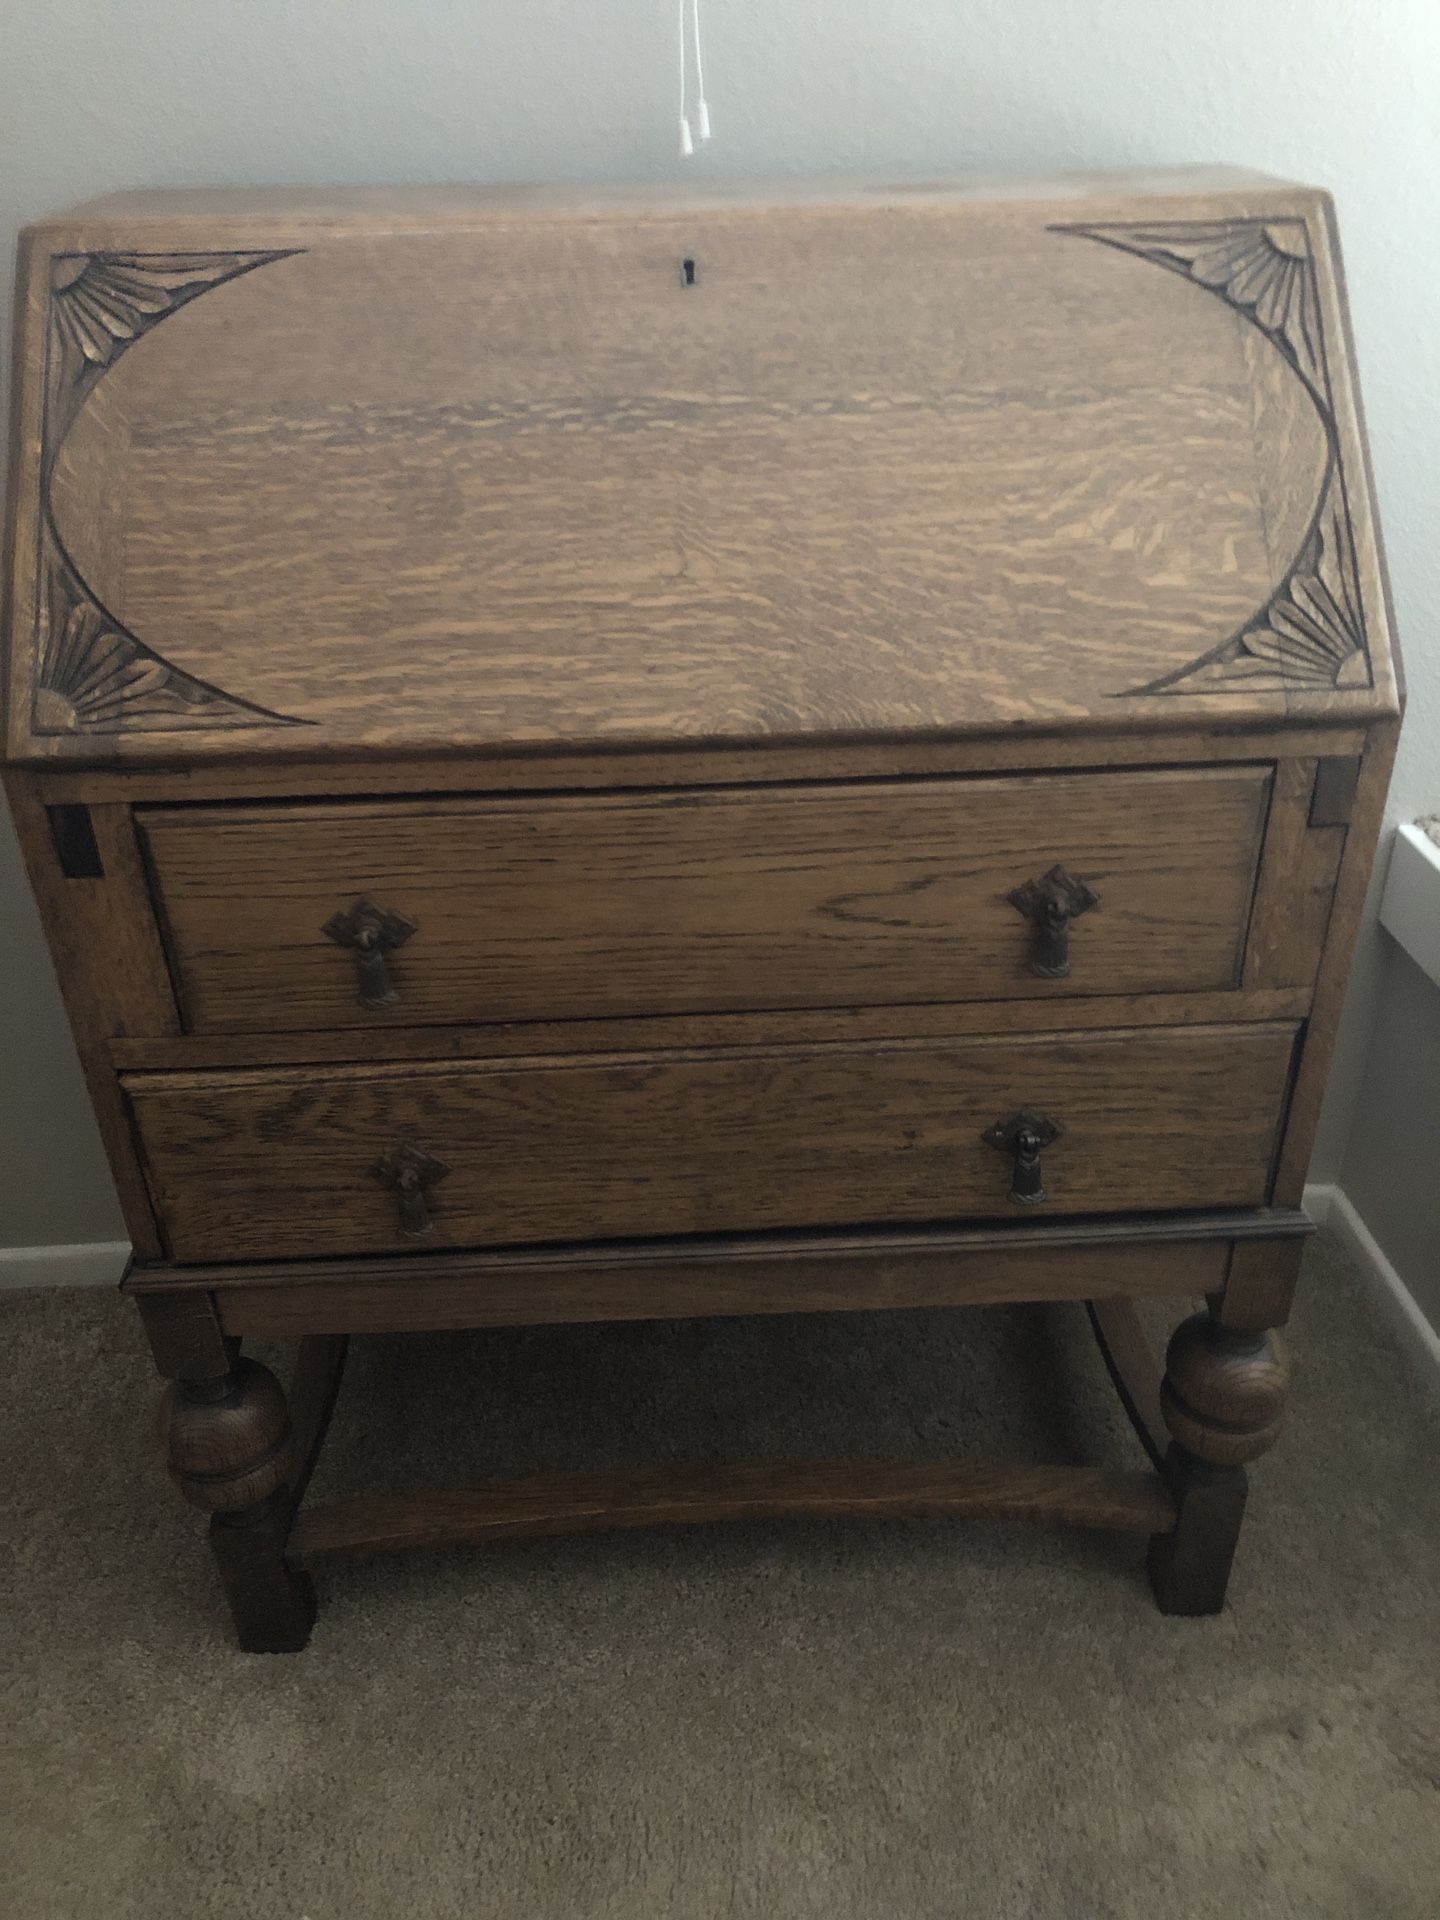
371, 932
1024, 1135
411, 1173
1052, 902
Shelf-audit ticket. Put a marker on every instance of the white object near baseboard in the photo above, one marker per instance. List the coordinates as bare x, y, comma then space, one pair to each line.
1410, 904
1330, 1208
94, 1263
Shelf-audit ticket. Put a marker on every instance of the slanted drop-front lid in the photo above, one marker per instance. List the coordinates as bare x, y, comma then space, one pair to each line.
893, 464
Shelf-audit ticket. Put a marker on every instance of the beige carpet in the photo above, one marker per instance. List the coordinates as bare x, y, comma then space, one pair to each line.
885, 1723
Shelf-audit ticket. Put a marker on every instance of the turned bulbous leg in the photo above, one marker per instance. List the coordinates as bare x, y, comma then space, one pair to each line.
226, 1440
228, 1443
1223, 1400
1224, 1392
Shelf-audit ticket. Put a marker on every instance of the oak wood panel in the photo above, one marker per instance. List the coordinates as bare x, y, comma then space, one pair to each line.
1167, 740
725, 463
193, 1051
1296, 884
684, 1258
187, 1340
1386, 666
101, 926
20, 589
108, 960
1260, 1284
345, 1531
839, 1273
587, 501
1111, 417
809, 896
283, 1162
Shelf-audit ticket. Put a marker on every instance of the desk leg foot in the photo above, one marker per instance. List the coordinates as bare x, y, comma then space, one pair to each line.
273, 1607
230, 1451
1190, 1565
1223, 1400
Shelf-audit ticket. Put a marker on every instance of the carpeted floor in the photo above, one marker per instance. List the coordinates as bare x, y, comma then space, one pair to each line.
902, 1722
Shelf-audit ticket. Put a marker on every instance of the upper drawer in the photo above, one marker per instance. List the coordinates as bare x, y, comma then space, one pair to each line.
705, 902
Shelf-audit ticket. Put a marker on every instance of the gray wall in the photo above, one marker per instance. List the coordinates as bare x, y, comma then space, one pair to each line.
1392, 1169
163, 92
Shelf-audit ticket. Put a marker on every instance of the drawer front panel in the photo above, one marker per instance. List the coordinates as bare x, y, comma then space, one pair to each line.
285, 1162
587, 906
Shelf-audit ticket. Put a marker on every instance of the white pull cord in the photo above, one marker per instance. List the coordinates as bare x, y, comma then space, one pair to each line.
699, 129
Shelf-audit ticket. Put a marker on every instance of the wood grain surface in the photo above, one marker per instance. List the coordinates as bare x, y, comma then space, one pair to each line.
776, 1027
917, 464
111, 968
700, 661
845, 1272
810, 896
1172, 737
282, 1162
343, 1531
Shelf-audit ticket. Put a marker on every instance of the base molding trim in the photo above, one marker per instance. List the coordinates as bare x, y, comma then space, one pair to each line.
90, 1263
1332, 1208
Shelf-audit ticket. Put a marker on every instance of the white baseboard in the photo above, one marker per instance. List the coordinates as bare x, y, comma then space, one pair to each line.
1318, 1202
1331, 1207
94, 1263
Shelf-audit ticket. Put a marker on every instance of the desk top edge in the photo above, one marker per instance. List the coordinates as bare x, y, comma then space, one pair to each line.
463, 203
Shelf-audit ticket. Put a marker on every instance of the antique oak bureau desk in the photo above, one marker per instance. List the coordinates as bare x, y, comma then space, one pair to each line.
642, 755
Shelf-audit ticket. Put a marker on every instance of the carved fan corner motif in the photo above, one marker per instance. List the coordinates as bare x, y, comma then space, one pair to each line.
93, 675
1309, 636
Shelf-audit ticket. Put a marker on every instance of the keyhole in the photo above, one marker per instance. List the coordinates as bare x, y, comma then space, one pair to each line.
687, 273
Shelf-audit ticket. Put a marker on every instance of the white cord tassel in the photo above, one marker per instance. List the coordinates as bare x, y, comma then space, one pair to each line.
700, 127
702, 105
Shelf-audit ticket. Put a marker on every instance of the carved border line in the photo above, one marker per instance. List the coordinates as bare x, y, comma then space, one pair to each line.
1310, 633
92, 674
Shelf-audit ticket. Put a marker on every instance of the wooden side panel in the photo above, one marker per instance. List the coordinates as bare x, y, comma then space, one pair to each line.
20, 585
1259, 1284
110, 966
801, 897
1296, 887
285, 1162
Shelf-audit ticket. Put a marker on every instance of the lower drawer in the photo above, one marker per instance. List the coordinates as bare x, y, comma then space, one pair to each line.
287, 1162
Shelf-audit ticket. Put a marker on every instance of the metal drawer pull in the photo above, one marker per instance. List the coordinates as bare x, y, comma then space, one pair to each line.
371, 932
1024, 1135
412, 1173
1051, 903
